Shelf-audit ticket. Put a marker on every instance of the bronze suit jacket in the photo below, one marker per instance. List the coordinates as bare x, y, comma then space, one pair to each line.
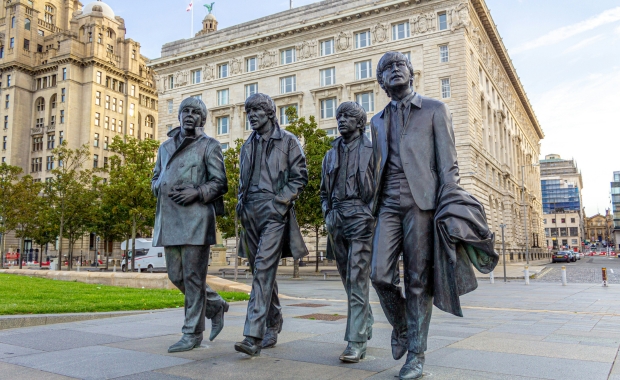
197, 162
286, 165
427, 149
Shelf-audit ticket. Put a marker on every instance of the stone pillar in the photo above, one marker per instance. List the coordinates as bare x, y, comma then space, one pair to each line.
218, 251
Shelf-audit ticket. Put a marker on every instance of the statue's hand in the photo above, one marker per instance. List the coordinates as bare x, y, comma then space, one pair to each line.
184, 196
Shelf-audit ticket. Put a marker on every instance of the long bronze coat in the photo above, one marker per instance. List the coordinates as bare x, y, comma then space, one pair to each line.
197, 162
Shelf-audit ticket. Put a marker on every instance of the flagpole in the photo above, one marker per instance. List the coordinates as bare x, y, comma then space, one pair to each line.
192, 35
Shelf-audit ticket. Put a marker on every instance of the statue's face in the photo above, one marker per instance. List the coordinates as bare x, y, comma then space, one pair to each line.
257, 117
190, 119
396, 74
347, 124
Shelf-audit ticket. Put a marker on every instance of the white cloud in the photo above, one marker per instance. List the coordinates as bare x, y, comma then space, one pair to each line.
584, 43
580, 119
560, 34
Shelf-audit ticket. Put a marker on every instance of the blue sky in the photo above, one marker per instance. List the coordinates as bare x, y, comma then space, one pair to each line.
567, 54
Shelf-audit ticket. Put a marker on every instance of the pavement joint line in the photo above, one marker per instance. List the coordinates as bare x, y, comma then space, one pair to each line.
611, 369
542, 311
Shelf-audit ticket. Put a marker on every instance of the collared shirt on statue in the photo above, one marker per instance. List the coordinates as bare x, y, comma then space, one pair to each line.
260, 181
346, 186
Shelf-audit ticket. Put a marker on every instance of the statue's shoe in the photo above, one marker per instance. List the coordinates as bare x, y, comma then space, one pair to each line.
217, 322
187, 342
354, 352
271, 335
399, 344
413, 368
248, 347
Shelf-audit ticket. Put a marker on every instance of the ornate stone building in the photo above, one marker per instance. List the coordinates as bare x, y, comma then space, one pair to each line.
69, 73
600, 228
316, 56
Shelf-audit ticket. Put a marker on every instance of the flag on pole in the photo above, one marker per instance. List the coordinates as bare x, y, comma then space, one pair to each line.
190, 6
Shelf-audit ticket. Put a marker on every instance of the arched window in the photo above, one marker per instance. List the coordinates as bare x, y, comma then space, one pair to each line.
149, 121
53, 102
40, 104
27, 24
50, 12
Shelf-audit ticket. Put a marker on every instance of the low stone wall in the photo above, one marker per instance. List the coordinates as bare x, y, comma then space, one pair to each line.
129, 280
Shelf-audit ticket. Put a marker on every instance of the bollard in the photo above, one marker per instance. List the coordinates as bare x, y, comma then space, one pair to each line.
604, 276
139, 270
563, 275
115, 267
78, 266
492, 278
527, 275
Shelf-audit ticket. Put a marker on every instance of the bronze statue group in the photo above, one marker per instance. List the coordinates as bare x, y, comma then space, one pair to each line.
391, 196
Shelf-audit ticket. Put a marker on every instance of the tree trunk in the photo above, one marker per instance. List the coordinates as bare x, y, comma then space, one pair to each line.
296, 268
105, 253
69, 266
316, 247
133, 243
62, 224
3, 252
21, 252
236, 245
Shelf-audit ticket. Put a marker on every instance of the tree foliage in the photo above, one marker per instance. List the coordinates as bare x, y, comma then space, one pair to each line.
315, 144
226, 223
9, 199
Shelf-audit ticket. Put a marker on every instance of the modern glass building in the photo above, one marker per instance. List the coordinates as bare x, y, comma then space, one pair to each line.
560, 196
615, 204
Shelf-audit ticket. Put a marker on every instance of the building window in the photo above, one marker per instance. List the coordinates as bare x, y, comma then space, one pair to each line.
222, 125
170, 82
26, 45
7, 101
170, 106
328, 108
61, 137
572, 220
248, 127
198, 96
222, 97
62, 116
331, 132
328, 76
39, 123
62, 95
251, 89
106, 122
445, 88
96, 140
97, 118
131, 129
287, 84
327, 47
132, 108
37, 144
13, 22
114, 104
366, 100
224, 146
27, 24
133, 90
36, 164
443, 53
363, 70
562, 220
95, 161
553, 220
400, 31
222, 70
113, 127
120, 106
196, 75
64, 73
4, 139
107, 102
105, 142
283, 118
442, 19
149, 121
98, 77
1, 52
362, 39
98, 98
120, 126
40, 104
8, 81
6, 122
250, 64
51, 139
287, 56
49, 164
49, 14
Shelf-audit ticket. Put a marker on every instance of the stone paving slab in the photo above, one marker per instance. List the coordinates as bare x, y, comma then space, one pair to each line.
12, 372
57, 340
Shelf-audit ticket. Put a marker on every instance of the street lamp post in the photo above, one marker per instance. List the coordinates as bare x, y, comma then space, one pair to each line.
527, 248
502, 226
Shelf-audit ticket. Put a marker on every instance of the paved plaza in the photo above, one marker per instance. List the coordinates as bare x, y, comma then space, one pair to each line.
510, 331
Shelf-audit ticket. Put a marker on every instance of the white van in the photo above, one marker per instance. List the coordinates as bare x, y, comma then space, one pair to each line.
148, 258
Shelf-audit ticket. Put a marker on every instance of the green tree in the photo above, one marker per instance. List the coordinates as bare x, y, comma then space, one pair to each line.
45, 230
130, 173
9, 175
27, 209
109, 216
68, 191
227, 223
308, 207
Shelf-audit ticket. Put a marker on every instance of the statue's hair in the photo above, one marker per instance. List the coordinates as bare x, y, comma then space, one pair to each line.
194, 103
354, 109
389, 58
264, 102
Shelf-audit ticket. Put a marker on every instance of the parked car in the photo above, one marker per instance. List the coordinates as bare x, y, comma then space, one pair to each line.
578, 255
561, 256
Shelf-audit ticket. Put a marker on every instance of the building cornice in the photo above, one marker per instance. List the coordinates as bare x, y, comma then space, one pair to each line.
491, 30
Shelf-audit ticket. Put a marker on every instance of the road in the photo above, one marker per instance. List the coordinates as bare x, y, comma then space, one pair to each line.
586, 270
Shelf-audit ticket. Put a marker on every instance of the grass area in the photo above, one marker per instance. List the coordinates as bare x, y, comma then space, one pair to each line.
32, 295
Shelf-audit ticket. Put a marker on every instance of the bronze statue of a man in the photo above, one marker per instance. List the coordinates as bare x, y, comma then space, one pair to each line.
273, 173
347, 192
421, 213
189, 180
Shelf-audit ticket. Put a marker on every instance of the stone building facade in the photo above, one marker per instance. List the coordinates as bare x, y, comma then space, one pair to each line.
600, 230
69, 73
316, 56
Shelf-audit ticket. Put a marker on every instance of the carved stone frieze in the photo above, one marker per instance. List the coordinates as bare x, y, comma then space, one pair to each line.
267, 59
423, 23
208, 72
343, 41
306, 49
417, 75
236, 66
380, 32
159, 84
181, 77
460, 18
